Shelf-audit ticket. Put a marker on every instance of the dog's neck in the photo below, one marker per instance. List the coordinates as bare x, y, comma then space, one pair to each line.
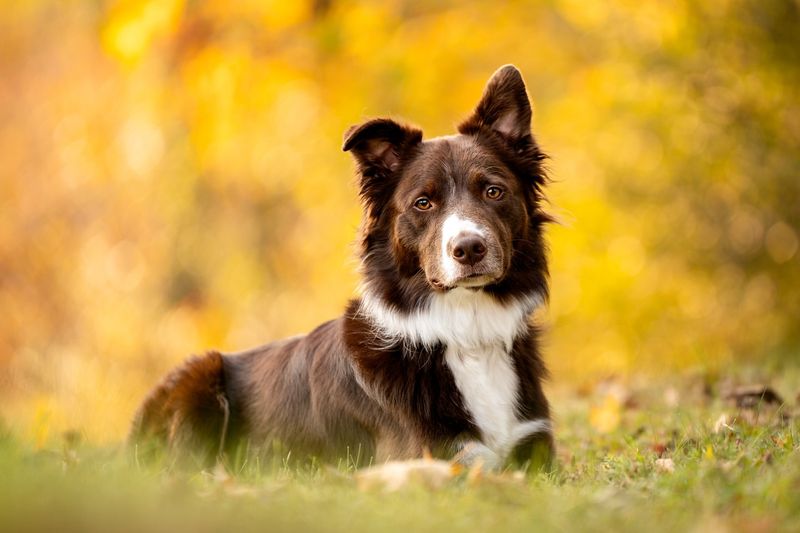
457, 318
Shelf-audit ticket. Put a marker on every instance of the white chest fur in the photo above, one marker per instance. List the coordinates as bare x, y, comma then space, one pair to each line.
488, 383
460, 317
478, 333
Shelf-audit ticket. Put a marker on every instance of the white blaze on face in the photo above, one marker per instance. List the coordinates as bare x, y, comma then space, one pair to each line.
454, 225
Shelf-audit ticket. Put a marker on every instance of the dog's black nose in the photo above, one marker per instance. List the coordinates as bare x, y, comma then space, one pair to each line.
469, 250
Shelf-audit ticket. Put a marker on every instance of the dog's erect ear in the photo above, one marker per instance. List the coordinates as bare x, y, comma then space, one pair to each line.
504, 107
379, 144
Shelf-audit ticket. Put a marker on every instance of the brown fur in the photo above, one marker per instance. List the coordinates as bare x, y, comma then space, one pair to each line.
187, 410
342, 392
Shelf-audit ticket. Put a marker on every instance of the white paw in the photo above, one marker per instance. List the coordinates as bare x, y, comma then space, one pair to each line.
473, 453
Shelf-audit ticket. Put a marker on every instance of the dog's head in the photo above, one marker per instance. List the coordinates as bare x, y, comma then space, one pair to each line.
455, 211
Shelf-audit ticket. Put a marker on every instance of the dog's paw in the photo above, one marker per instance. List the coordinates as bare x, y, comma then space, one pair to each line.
474, 454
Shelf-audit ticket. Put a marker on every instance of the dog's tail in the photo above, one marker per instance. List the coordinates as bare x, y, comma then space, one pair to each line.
187, 414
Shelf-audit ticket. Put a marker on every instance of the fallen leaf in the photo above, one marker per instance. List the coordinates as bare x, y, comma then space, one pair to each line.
659, 448
220, 475
722, 423
753, 396
395, 475
223, 482
665, 465
495, 480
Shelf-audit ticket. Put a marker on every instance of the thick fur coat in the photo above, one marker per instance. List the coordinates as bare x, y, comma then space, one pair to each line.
438, 352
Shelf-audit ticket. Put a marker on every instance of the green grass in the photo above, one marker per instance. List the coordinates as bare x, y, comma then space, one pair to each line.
745, 477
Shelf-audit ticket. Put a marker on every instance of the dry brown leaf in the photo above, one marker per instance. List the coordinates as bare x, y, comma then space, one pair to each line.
764, 417
499, 480
223, 482
665, 465
753, 396
220, 475
395, 475
722, 424
659, 448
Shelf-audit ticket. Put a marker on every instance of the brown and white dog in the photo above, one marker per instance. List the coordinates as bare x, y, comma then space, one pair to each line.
438, 353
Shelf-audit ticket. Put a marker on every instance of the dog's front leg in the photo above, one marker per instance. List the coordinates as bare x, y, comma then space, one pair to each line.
529, 447
533, 447
398, 446
533, 454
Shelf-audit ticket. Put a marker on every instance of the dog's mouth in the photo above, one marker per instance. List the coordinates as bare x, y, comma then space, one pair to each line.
476, 280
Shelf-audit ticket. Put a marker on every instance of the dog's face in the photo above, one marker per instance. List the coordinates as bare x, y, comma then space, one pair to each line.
456, 211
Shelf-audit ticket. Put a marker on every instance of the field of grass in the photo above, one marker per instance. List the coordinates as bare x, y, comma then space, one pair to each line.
647, 455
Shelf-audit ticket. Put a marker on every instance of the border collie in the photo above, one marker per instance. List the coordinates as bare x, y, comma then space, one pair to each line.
438, 353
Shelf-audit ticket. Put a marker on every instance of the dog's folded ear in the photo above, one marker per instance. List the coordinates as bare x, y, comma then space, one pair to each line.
504, 108
379, 144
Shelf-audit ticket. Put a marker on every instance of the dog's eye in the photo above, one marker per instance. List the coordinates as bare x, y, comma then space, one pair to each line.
494, 192
423, 204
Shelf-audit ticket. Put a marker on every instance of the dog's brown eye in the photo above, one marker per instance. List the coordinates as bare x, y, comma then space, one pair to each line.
494, 193
423, 204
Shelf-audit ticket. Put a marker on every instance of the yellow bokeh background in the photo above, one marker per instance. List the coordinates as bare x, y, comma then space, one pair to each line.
171, 178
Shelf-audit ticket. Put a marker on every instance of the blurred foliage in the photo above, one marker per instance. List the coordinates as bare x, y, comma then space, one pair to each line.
171, 177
